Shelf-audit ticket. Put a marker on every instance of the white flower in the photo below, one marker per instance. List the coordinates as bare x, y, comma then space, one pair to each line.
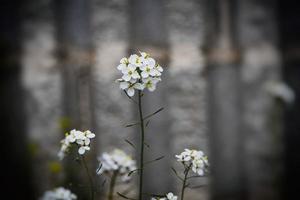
281, 90
135, 60
169, 196
148, 68
195, 159
59, 194
118, 161
129, 87
130, 72
81, 139
82, 149
138, 73
150, 83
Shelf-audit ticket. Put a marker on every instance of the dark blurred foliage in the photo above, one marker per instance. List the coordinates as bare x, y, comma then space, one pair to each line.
15, 162
289, 26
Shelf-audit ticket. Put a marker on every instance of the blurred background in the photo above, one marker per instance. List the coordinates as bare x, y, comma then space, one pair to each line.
230, 88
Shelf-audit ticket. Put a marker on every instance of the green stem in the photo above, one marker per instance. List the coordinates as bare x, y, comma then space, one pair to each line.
186, 172
89, 177
141, 146
112, 185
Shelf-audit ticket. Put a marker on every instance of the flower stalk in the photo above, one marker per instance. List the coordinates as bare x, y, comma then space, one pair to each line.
112, 185
142, 142
184, 185
89, 177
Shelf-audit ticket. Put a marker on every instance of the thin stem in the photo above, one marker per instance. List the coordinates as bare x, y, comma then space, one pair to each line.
112, 185
89, 177
141, 146
186, 172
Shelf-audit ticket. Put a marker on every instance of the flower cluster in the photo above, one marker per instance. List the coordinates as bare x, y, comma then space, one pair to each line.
169, 196
196, 159
116, 161
59, 193
81, 139
139, 72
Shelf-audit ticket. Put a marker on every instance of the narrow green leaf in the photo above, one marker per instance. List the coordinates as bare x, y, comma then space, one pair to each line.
125, 197
152, 114
175, 172
130, 143
147, 123
156, 159
147, 145
130, 97
133, 124
131, 172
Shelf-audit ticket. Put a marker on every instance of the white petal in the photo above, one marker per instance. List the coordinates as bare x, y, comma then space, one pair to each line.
131, 67
121, 67
124, 85
143, 67
125, 71
144, 54
153, 72
144, 74
132, 59
119, 80
139, 86
81, 150
124, 60
152, 87
151, 62
126, 77
87, 141
200, 172
170, 195
130, 92
90, 135
80, 142
159, 68
135, 75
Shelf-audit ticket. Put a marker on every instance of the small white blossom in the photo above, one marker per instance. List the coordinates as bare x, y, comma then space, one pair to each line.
138, 73
169, 196
59, 194
281, 90
118, 161
196, 159
79, 138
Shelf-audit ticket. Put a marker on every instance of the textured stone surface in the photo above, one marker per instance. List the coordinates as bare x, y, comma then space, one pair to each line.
43, 99
260, 65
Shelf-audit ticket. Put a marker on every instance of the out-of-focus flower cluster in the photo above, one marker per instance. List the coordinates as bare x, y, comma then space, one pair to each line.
139, 72
281, 90
195, 159
116, 161
81, 139
169, 196
59, 194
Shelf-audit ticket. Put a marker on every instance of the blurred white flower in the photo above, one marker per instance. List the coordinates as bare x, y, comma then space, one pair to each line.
196, 159
118, 161
281, 90
139, 72
79, 138
59, 194
169, 196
